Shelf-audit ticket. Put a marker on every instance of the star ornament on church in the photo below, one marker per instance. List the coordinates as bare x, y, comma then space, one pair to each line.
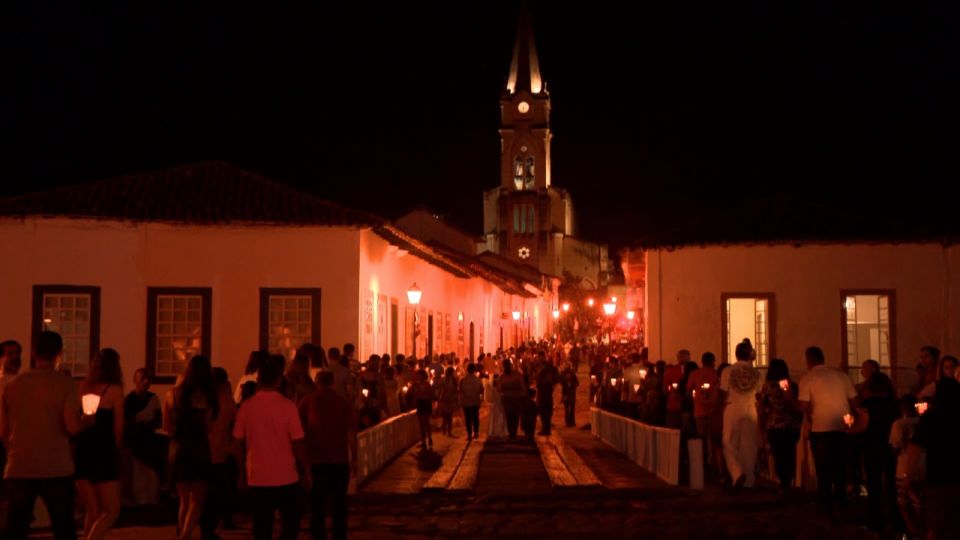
523, 253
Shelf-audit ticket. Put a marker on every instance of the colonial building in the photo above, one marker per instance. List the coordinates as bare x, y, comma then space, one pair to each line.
212, 259
526, 218
858, 288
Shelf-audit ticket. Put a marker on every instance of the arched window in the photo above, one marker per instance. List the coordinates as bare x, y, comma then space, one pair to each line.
528, 181
518, 172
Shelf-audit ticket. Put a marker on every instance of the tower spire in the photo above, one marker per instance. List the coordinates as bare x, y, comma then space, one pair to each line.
525, 66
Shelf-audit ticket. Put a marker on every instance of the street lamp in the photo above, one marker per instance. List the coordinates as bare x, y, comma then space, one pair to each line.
566, 307
556, 314
609, 308
413, 296
516, 328
590, 302
631, 314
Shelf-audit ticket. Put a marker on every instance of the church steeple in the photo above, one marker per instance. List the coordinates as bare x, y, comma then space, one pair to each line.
525, 66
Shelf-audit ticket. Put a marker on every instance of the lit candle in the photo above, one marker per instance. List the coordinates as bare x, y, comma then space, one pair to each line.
636, 388
613, 381
643, 374
366, 392
921, 407
90, 403
784, 385
848, 420
675, 385
406, 388
705, 386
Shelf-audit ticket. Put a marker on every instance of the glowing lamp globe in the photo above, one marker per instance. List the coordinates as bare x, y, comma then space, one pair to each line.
610, 308
414, 294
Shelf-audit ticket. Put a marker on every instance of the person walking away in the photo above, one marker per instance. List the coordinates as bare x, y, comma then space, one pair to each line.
471, 396
528, 414
449, 400
498, 420
423, 394
269, 429
299, 384
704, 388
568, 392
10, 353
97, 448
222, 464
826, 395
391, 392
330, 426
195, 408
249, 373
883, 409
780, 421
40, 411
740, 384
512, 393
547, 379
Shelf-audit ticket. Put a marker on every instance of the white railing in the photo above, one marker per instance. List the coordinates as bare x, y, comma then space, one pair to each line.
377, 445
656, 449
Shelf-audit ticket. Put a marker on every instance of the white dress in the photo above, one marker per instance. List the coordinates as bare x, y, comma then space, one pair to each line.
498, 422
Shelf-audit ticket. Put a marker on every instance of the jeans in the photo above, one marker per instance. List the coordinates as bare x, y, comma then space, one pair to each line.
471, 417
511, 410
829, 455
219, 499
881, 468
267, 499
569, 406
546, 414
57, 496
330, 481
783, 445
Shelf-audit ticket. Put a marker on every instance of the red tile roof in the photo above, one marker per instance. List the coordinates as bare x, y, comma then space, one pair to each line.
210, 193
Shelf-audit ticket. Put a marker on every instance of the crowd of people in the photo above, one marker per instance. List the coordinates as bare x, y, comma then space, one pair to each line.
285, 432
864, 439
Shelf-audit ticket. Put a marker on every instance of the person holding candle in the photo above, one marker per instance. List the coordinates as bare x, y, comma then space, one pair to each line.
423, 396
826, 395
780, 421
704, 388
96, 450
568, 391
449, 400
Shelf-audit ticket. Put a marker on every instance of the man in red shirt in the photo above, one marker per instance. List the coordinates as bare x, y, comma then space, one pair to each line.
704, 388
330, 423
672, 378
269, 429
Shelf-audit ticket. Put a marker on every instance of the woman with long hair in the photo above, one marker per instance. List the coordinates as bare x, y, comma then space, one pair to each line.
423, 393
449, 400
249, 372
195, 408
97, 449
780, 420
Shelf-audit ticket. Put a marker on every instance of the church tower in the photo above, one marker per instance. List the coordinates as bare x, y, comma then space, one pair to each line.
526, 218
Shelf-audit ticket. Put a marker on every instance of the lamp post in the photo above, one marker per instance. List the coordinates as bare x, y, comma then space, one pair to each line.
516, 328
609, 309
413, 296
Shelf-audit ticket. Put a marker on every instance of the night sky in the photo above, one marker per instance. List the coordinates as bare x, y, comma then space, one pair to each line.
661, 110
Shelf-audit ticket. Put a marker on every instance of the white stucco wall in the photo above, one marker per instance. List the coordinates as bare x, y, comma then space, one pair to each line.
124, 259
389, 271
684, 286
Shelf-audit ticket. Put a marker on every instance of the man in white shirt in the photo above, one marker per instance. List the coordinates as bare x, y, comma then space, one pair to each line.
740, 383
826, 395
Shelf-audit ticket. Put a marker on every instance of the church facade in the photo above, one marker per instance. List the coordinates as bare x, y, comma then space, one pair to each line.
526, 218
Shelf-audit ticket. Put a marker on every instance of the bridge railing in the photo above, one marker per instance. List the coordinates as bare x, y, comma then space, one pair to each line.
379, 444
656, 449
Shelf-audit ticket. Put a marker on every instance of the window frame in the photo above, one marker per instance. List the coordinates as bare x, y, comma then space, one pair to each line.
206, 323
265, 294
36, 323
892, 302
771, 299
